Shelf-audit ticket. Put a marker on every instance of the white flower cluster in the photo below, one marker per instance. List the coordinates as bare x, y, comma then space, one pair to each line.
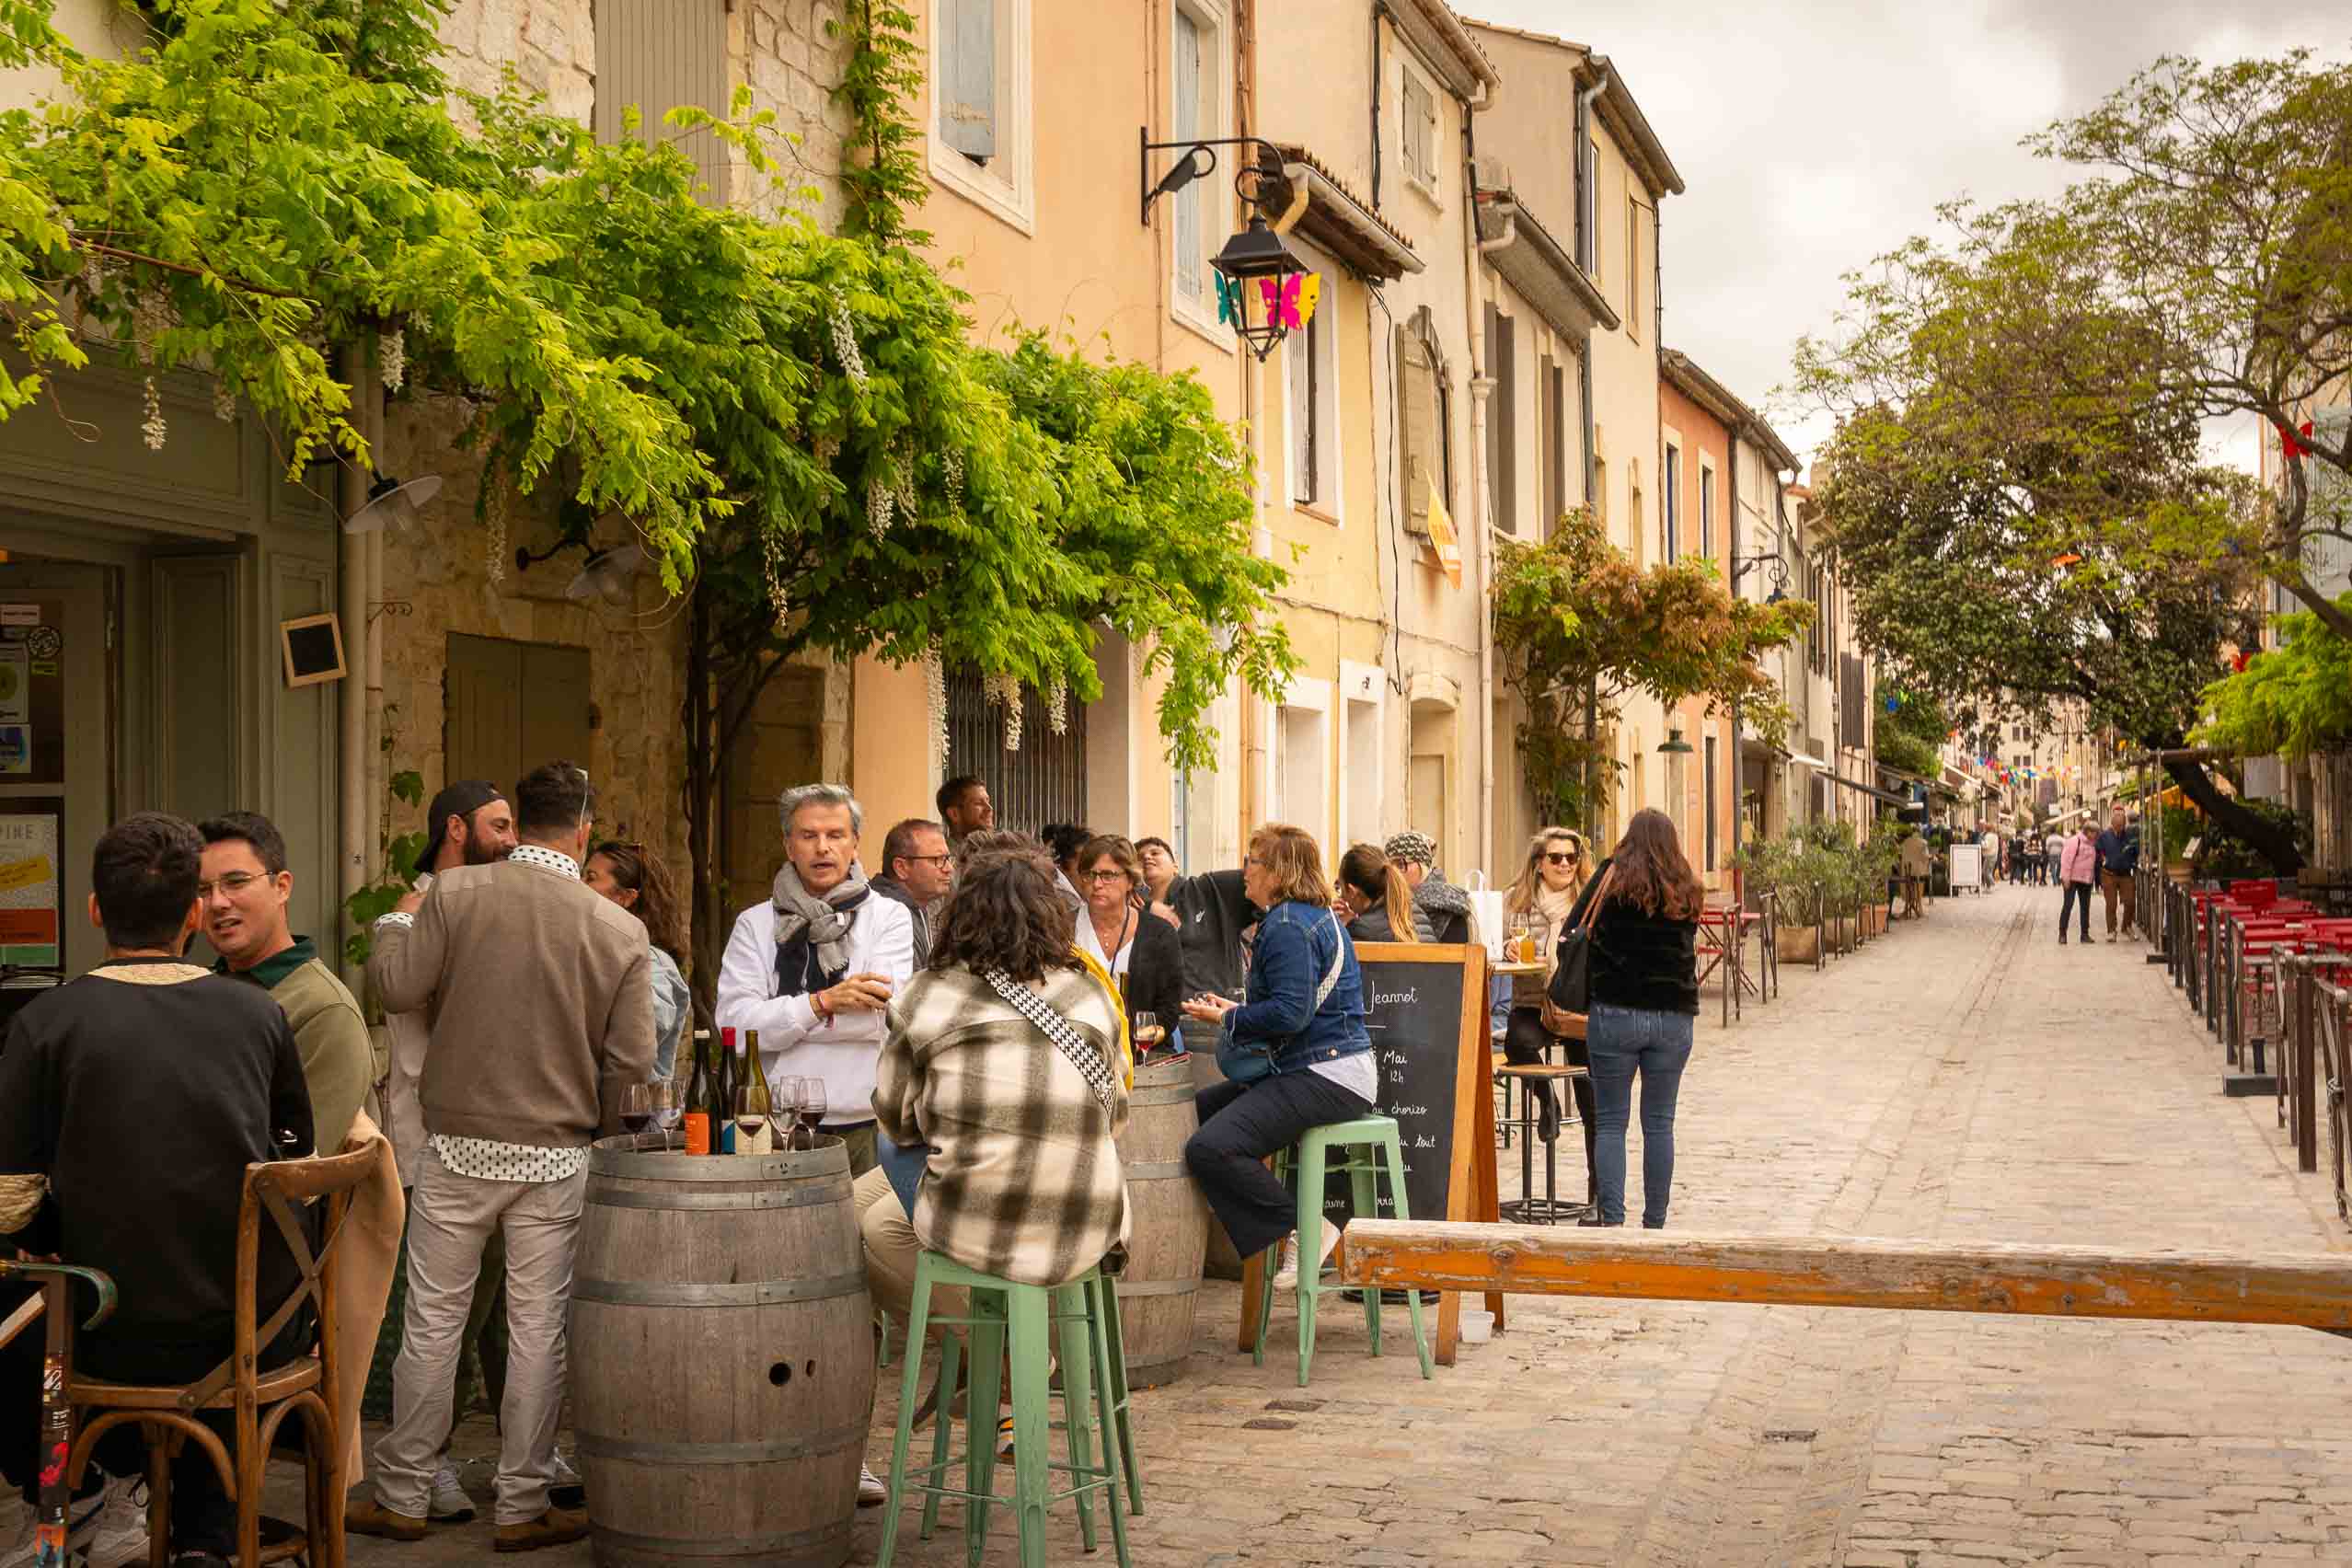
392, 358
1058, 706
879, 505
935, 693
845, 343
149, 318
1005, 692
772, 550
154, 428
951, 463
496, 563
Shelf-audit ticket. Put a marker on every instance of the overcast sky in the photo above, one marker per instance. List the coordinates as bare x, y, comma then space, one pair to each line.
1815, 134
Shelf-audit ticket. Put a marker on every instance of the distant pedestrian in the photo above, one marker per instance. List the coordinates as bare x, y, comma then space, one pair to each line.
1644, 1002
2118, 858
1990, 843
2052, 846
1916, 864
2078, 868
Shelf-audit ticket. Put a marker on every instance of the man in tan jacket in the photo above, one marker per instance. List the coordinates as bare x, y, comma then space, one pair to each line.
542, 1007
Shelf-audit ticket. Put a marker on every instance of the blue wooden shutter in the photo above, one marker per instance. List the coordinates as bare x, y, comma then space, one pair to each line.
967, 77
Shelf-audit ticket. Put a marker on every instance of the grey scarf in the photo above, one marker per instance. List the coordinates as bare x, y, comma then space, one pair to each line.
821, 923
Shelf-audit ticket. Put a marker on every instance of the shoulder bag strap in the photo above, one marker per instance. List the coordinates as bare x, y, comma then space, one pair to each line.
1591, 910
1064, 1035
1339, 959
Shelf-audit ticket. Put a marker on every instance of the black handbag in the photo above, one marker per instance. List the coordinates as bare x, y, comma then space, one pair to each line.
1571, 987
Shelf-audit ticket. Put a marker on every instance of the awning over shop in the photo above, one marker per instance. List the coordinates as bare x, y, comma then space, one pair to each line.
1871, 790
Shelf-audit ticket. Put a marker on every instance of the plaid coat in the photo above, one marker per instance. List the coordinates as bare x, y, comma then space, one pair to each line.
1023, 1180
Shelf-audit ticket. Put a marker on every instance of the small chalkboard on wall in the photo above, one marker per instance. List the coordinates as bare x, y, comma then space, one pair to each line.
313, 646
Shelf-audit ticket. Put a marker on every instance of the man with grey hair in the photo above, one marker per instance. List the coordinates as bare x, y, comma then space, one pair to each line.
813, 966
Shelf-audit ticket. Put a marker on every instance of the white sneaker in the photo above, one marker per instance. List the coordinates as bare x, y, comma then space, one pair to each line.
448, 1504
873, 1492
102, 1530
1287, 1276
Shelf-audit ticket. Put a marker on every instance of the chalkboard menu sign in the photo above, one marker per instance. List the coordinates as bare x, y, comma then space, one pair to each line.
1414, 1012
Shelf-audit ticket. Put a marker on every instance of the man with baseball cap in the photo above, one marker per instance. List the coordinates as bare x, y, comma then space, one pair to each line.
469, 824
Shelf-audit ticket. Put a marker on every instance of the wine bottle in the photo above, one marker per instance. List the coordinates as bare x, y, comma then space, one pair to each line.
754, 1128
702, 1100
724, 1123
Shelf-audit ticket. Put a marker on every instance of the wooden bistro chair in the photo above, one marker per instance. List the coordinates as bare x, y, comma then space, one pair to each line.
259, 1398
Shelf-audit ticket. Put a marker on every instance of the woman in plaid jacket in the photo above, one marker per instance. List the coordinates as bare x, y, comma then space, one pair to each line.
1004, 1057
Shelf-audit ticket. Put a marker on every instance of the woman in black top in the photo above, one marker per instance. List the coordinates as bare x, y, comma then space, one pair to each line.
1138, 949
1644, 997
1377, 901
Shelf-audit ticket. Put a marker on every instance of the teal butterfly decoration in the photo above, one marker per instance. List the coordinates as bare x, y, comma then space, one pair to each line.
1228, 300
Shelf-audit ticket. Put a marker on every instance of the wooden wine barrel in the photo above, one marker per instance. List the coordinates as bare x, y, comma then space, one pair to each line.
1168, 1225
1223, 1259
722, 1357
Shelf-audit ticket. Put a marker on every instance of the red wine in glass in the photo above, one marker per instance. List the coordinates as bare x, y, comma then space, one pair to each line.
635, 1122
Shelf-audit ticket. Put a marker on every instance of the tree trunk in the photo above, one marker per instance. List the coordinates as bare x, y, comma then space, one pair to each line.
2275, 842
702, 760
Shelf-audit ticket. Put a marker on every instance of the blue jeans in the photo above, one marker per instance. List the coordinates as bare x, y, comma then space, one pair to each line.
1623, 1040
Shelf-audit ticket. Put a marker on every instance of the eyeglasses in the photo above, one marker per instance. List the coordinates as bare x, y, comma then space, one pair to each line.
938, 859
233, 884
1109, 876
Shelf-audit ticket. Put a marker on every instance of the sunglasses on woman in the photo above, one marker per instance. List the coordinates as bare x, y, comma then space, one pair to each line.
1561, 858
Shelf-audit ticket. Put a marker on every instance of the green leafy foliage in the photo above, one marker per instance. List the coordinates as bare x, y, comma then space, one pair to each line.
1910, 733
1577, 626
2295, 699
797, 424
396, 854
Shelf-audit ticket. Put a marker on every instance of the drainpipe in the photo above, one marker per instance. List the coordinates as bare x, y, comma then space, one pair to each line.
358, 370
1730, 553
1481, 388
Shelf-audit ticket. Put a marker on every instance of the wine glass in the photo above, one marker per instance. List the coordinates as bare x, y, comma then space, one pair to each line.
813, 1103
786, 1111
667, 1109
751, 1117
636, 1108
1148, 1034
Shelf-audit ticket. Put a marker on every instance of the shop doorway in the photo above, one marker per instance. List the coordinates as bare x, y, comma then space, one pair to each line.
60, 699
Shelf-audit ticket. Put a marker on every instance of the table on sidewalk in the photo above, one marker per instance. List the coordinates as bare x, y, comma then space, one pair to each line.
1722, 945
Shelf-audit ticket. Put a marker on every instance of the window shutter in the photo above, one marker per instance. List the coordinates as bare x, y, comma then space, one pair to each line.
1503, 418
1416, 430
1429, 136
1184, 86
658, 56
967, 77
1548, 439
1413, 127
1300, 349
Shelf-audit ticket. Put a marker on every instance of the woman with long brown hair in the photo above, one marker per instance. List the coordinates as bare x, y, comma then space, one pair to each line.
634, 877
1546, 890
1644, 904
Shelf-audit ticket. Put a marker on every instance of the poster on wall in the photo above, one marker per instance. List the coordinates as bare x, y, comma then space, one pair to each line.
29, 887
32, 693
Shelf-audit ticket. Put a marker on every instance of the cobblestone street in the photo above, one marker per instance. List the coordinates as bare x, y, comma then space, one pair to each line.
1966, 1078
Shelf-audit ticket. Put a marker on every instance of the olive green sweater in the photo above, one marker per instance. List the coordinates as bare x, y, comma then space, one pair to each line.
338, 1059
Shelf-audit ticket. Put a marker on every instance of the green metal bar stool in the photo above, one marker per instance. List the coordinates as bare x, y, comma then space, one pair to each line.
1367, 1148
1026, 1316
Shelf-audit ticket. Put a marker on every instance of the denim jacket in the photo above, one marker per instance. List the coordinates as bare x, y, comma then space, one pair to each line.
1287, 964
